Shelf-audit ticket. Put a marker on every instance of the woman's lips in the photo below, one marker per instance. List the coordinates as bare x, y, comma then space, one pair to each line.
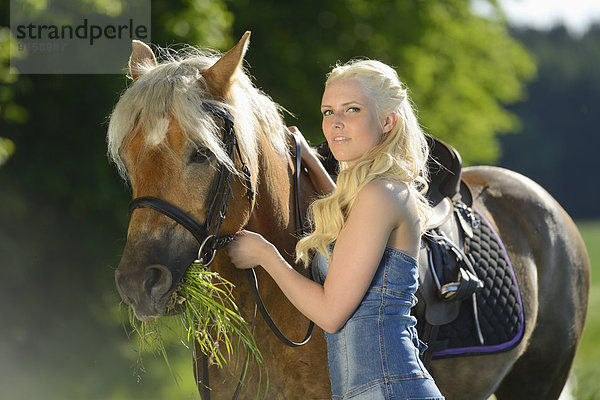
340, 139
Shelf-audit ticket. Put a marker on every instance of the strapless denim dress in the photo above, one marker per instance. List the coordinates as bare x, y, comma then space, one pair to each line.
375, 355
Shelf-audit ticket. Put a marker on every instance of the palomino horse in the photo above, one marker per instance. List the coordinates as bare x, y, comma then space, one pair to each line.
165, 136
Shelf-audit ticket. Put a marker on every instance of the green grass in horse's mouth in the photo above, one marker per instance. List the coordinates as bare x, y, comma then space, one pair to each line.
204, 307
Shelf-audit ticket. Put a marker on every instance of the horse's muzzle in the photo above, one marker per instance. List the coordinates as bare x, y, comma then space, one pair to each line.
147, 292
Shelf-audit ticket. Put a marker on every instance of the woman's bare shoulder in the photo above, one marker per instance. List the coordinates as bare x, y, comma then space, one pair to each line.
386, 190
396, 205
390, 198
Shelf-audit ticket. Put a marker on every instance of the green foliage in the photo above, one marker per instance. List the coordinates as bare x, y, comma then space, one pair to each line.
460, 68
205, 23
7, 148
9, 110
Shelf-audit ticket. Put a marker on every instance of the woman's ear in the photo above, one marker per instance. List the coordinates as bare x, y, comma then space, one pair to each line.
389, 122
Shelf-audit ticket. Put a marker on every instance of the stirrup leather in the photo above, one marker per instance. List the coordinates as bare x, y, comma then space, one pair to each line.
467, 282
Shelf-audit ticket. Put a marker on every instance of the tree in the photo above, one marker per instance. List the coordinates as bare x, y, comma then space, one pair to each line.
9, 110
560, 119
461, 69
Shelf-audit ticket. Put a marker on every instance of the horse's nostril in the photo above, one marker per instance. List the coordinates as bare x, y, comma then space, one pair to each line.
158, 281
122, 288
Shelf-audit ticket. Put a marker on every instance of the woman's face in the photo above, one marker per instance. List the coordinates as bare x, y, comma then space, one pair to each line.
350, 122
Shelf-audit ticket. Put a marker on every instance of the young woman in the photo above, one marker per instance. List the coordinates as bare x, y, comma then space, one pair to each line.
366, 238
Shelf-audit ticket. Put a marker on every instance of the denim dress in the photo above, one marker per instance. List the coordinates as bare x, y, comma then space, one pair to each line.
375, 355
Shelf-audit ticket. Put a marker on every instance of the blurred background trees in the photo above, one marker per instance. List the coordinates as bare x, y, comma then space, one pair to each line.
557, 145
461, 69
63, 208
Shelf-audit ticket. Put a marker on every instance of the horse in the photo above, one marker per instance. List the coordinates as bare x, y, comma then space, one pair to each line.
166, 136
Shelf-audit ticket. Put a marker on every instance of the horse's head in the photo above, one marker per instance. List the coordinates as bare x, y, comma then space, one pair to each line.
170, 137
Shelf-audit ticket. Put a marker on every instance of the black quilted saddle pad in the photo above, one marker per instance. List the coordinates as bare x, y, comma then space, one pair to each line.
499, 306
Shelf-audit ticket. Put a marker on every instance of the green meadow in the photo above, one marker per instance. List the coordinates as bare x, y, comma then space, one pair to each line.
587, 366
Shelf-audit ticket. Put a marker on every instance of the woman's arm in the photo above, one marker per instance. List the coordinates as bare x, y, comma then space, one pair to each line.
250, 249
318, 175
354, 261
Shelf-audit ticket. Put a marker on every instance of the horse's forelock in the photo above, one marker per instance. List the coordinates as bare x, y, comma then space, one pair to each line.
176, 88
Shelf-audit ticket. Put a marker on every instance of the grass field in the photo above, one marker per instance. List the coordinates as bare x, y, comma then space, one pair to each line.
587, 362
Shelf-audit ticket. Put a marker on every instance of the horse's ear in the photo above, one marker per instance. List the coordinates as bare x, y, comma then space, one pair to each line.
220, 76
141, 55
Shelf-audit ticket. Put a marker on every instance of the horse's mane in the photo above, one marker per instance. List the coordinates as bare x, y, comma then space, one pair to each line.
176, 87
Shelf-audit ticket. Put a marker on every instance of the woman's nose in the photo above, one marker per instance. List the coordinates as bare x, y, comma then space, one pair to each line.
338, 121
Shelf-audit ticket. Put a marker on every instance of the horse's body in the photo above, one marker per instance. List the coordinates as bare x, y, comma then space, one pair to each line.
552, 269
546, 251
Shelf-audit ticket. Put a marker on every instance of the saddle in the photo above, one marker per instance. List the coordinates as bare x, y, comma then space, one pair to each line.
446, 274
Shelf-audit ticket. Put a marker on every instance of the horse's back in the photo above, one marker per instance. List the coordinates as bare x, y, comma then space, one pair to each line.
516, 203
553, 272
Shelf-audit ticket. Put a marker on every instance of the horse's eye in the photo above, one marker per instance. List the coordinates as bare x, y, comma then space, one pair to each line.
201, 155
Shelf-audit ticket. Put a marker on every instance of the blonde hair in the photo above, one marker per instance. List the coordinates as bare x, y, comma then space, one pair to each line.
400, 156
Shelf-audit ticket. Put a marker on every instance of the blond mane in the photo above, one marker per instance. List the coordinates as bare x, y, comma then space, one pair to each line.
176, 88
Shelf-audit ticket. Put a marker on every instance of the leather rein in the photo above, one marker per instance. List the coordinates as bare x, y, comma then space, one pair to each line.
207, 234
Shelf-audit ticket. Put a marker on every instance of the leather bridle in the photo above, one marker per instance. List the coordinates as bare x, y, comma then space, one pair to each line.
207, 234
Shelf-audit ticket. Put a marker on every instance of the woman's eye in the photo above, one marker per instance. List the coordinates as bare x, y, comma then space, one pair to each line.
353, 109
201, 155
327, 113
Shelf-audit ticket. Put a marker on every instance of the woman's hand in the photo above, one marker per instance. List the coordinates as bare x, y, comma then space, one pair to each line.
318, 175
249, 249
307, 153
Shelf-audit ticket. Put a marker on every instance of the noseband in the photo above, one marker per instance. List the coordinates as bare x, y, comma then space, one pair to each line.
207, 234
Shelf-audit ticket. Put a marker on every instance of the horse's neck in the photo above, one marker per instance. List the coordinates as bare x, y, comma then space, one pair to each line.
273, 215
